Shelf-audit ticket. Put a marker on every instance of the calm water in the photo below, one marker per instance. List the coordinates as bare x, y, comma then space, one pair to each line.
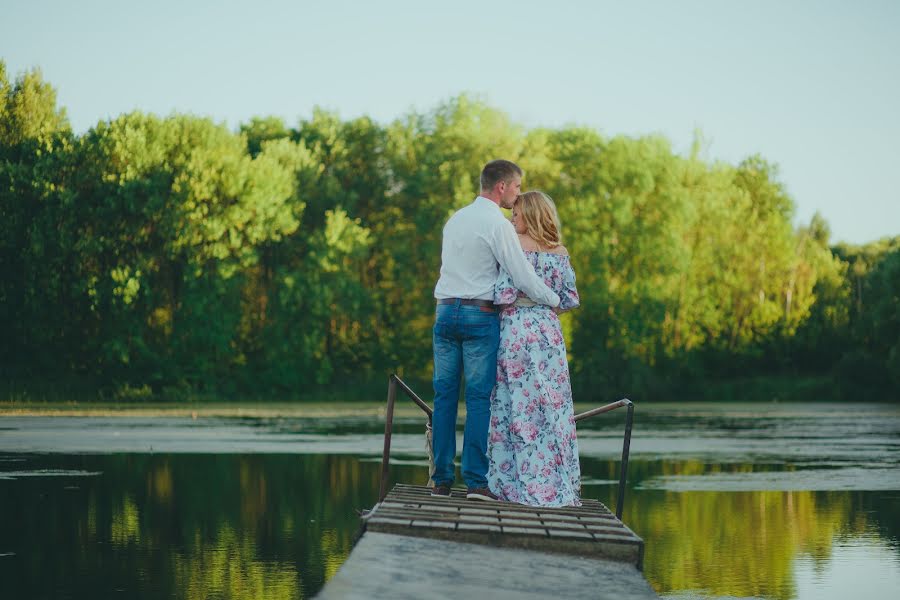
764, 501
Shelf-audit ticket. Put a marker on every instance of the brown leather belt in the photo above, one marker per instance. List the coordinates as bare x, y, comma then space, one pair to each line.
485, 305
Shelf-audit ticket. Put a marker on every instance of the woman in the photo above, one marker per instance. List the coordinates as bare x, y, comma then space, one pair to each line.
532, 446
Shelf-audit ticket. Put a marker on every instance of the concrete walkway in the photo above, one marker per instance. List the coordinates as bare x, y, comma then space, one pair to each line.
384, 565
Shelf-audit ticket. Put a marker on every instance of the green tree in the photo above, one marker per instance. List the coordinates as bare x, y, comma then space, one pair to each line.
172, 211
35, 143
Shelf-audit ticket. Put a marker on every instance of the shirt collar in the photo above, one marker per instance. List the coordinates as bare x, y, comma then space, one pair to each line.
484, 200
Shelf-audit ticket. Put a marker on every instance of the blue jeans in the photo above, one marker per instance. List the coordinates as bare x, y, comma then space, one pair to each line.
465, 341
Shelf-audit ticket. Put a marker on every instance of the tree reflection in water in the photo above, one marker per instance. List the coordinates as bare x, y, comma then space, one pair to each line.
279, 526
741, 544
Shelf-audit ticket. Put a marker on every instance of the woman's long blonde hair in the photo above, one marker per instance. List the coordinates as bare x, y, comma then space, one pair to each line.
541, 219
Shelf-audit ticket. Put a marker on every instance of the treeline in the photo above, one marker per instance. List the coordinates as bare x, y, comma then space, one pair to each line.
172, 255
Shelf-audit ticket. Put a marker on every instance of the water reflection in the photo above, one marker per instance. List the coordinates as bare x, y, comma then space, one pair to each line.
723, 496
229, 568
206, 526
279, 526
745, 543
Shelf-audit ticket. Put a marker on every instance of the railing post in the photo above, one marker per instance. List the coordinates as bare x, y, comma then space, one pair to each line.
388, 425
629, 418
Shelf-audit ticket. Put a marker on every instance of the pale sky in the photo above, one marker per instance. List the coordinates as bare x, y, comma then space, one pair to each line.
813, 86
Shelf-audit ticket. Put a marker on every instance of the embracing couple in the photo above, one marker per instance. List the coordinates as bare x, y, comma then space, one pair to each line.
501, 288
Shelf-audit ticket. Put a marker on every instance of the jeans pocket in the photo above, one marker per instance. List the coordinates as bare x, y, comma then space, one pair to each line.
445, 318
479, 324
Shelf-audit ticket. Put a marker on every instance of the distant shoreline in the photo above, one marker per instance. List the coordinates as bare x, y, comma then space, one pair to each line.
71, 399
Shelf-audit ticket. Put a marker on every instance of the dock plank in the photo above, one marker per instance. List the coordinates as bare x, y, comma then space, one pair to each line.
590, 530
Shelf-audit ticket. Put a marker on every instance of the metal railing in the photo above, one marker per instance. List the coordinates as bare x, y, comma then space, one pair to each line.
395, 382
626, 442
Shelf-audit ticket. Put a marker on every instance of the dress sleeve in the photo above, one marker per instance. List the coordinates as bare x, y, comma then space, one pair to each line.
568, 295
505, 291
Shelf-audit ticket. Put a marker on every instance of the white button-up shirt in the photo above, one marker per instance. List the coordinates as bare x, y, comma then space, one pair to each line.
476, 239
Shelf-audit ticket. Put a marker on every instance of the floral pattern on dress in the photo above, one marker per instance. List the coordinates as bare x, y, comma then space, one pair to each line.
532, 446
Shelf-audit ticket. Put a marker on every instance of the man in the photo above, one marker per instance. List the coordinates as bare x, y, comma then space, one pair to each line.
467, 325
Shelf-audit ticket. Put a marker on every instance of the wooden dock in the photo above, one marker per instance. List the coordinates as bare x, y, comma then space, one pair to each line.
415, 545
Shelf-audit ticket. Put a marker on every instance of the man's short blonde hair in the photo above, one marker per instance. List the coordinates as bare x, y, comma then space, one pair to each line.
541, 219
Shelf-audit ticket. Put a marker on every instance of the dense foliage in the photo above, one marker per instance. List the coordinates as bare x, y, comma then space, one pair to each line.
168, 255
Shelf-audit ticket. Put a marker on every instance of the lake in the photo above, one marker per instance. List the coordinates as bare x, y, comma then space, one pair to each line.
774, 501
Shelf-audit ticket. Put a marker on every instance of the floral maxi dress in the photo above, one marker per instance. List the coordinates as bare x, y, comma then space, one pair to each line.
532, 446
